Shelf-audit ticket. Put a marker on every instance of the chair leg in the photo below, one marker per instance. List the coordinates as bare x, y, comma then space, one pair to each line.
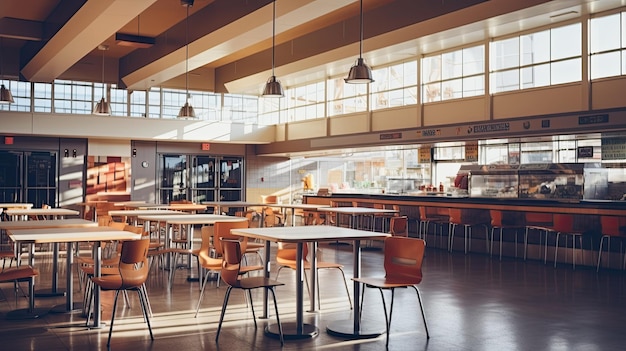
117, 293
219, 325
600, 250
345, 284
419, 299
382, 296
145, 308
252, 307
206, 279
280, 326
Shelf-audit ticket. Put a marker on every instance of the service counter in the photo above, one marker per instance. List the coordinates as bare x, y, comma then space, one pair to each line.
587, 215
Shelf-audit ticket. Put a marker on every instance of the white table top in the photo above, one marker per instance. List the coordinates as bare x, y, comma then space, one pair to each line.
136, 213
16, 205
356, 210
52, 223
179, 207
192, 218
228, 204
308, 233
61, 235
129, 203
298, 206
41, 212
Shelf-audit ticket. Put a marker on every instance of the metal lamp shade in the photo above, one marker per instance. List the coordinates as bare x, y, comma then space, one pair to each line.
360, 73
186, 111
5, 95
273, 88
103, 108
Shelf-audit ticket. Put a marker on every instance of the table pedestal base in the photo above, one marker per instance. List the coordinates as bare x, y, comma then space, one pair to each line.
345, 329
49, 293
26, 313
290, 331
77, 306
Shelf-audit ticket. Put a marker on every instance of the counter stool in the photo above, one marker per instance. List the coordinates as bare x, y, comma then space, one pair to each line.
468, 219
539, 222
503, 220
428, 216
564, 225
612, 227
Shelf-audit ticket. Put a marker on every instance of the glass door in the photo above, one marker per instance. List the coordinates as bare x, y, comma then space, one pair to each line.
28, 176
231, 179
11, 176
203, 179
173, 185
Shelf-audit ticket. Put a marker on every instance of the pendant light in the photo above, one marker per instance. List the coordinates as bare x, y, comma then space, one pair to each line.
5, 94
273, 87
360, 73
103, 108
187, 110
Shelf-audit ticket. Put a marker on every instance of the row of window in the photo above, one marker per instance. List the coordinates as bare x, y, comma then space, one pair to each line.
542, 58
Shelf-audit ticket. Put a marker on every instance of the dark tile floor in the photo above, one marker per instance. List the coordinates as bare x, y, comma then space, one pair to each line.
472, 302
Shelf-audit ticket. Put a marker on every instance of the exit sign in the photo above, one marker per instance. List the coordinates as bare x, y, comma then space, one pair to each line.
206, 146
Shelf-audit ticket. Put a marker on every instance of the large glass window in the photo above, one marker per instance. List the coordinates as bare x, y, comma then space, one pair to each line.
394, 86
306, 102
608, 52
538, 59
453, 75
119, 101
42, 97
21, 96
346, 98
138, 103
240, 108
73, 97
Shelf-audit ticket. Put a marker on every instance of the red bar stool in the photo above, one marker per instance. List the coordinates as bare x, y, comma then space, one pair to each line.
538, 222
428, 215
503, 220
612, 227
564, 225
468, 218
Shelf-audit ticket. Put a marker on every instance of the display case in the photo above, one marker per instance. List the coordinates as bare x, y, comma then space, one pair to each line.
494, 181
551, 181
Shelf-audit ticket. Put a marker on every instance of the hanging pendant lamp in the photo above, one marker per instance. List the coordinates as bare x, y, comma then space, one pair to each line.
360, 73
5, 94
103, 108
187, 110
273, 87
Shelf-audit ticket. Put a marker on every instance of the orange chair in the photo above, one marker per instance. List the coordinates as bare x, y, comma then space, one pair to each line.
399, 226
428, 215
564, 225
286, 257
468, 219
20, 274
133, 271
231, 275
503, 220
612, 227
540, 222
403, 268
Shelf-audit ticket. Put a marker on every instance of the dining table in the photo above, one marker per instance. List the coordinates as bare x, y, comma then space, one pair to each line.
301, 235
48, 213
69, 236
7, 226
219, 206
186, 222
296, 206
132, 215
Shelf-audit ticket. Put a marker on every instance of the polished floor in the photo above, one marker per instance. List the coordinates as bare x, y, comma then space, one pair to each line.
472, 302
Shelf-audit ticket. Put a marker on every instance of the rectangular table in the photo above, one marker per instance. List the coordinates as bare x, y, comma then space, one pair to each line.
356, 213
133, 214
293, 207
52, 223
314, 234
23, 213
70, 236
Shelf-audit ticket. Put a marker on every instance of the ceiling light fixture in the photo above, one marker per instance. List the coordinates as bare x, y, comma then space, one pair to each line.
273, 87
134, 41
360, 73
187, 110
103, 108
5, 94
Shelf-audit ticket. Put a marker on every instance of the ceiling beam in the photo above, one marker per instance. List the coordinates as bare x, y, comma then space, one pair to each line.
16, 28
91, 25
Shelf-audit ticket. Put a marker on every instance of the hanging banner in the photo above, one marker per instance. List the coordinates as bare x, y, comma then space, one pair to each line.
471, 151
424, 155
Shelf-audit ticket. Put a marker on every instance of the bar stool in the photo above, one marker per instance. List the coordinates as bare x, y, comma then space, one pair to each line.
542, 223
503, 220
564, 225
612, 227
468, 219
428, 216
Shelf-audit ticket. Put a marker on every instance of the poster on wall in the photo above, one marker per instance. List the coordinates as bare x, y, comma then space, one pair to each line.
471, 151
424, 154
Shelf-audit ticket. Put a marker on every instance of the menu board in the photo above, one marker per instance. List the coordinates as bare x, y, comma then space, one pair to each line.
471, 151
613, 148
424, 154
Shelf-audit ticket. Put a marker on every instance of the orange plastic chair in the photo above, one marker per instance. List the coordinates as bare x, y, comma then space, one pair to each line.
467, 219
399, 226
428, 216
502, 220
19, 274
286, 257
403, 269
541, 223
612, 227
133, 271
564, 225
231, 275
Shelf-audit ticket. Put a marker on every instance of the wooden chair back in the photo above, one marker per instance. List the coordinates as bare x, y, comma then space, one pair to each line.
231, 262
133, 265
398, 226
403, 258
222, 230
